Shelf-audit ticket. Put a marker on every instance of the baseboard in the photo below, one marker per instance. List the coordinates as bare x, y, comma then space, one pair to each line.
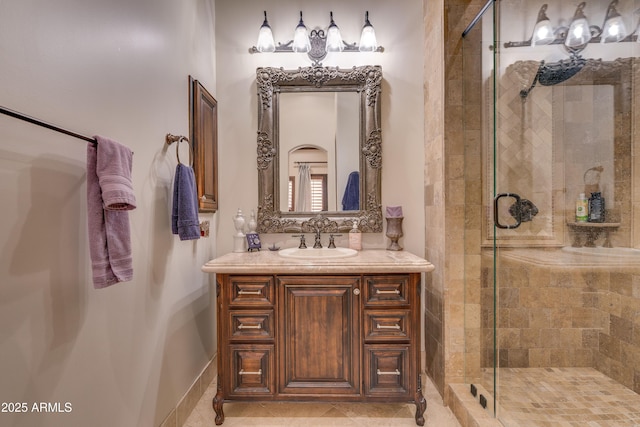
190, 399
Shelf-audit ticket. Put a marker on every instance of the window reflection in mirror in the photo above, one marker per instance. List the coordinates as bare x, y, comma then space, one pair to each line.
320, 129
308, 178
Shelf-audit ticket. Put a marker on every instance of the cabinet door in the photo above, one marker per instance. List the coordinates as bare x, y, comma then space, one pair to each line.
387, 325
248, 291
387, 290
251, 368
319, 330
387, 370
251, 325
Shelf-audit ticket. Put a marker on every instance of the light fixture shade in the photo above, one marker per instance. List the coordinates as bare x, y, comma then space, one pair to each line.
334, 39
579, 32
368, 42
613, 29
301, 41
543, 31
265, 37
542, 34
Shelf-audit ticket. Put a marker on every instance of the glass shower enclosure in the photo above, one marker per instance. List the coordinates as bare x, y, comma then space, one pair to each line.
552, 300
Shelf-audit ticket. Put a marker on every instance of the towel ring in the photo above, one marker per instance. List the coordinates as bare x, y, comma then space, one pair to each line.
170, 139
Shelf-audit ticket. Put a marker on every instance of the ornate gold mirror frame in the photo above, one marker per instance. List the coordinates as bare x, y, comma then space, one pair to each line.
271, 82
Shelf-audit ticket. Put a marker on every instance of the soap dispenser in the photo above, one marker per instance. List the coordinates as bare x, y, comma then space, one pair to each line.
355, 237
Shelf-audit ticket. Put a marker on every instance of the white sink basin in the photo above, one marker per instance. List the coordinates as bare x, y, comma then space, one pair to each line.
320, 253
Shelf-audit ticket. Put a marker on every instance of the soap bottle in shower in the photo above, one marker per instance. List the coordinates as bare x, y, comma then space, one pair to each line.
596, 207
582, 206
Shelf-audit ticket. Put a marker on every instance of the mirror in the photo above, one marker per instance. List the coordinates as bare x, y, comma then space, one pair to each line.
319, 149
330, 150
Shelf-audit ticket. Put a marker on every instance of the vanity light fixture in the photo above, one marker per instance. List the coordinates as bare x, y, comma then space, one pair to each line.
316, 43
265, 37
580, 33
543, 31
334, 39
613, 29
301, 41
368, 42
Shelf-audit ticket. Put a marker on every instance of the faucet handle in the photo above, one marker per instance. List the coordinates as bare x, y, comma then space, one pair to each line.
332, 243
318, 243
303, 243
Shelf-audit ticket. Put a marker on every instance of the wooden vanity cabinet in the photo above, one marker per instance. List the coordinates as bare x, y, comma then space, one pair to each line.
319, 338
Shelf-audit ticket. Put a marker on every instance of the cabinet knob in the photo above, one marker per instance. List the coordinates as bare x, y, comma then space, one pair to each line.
356, 291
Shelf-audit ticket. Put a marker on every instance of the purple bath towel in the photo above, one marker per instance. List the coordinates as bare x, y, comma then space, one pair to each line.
109, 197
184, 215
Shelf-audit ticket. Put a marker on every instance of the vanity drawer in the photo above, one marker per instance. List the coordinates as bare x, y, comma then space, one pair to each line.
387, 325
251, 325
387, 290
387, 370
251, 291
251, 370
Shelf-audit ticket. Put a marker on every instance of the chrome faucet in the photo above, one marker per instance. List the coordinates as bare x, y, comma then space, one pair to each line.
318, 243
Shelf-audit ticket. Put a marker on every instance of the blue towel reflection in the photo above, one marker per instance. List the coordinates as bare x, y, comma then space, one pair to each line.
351, 198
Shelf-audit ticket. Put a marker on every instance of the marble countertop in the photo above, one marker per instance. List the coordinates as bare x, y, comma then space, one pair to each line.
366, 261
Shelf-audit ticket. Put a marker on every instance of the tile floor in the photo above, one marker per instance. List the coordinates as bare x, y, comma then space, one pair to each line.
322, 414
564, 397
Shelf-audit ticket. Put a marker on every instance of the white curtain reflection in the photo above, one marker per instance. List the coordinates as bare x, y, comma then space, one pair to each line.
303, 200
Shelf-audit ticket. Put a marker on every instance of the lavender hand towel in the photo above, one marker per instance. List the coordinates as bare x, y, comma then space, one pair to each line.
109, 197
184, 215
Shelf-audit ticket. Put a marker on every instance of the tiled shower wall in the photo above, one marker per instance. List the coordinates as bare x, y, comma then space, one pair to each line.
434, 191
565, 316
446, 191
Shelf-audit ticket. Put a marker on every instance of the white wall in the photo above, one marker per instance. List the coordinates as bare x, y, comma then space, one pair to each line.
399, 29
124, 355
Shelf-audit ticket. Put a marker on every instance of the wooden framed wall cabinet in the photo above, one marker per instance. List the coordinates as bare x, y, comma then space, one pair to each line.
203, 121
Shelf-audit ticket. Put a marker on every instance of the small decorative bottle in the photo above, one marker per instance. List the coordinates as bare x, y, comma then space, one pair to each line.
239, 238
355, 237
252, 222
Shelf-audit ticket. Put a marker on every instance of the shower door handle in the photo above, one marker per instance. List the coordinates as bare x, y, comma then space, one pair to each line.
518, 217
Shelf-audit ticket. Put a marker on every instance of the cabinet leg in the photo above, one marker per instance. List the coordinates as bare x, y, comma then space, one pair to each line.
217, 402
421, 403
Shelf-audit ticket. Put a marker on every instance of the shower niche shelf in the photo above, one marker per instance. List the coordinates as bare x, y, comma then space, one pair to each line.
586, 233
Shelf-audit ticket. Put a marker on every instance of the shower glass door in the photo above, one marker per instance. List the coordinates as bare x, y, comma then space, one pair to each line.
559, 125
478, 64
